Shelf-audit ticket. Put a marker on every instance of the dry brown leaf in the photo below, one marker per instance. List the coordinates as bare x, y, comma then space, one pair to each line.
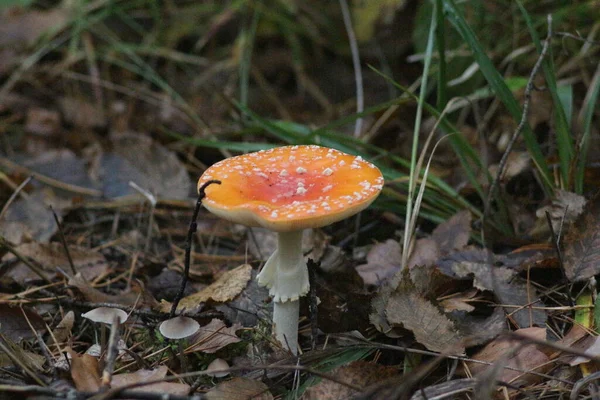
357, 373
582, 244
564, 209
239, 388
139, 159
459, 301
52, 256
14, 325
224, 289
146, 375
85, 371
383, 261
425, 252
28, 219
213, 337
507, 286
511, 353
453, 234
407, 308
136, 297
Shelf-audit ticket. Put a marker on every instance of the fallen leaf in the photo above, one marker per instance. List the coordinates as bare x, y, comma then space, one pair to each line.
63, 330
250, 306
52, 256
146, 375
564, 210
239, 388
357, 373
383, 261
507, 286
459, 301
14, 325
29, 219
477, 330
582, 244
213, 337
137, 158
511, 353
425, 252
224, 289
85, 371
61, 165
136, 297
407, 308
454, 233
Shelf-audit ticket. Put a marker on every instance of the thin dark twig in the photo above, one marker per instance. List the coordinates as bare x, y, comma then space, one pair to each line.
188, 244
528, 89
61, 233
313, 310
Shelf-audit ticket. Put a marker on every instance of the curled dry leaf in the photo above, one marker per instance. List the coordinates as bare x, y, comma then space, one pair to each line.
63, 330
224, 289
213, 337
52, 256
357, 373
239, 388
85, 371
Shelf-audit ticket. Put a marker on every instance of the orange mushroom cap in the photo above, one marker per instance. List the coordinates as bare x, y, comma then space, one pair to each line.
291, 188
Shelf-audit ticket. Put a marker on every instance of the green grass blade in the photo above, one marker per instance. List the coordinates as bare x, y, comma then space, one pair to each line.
587, 115
561, 125
496, 81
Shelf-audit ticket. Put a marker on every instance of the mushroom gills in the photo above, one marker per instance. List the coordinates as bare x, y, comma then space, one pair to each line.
285, 272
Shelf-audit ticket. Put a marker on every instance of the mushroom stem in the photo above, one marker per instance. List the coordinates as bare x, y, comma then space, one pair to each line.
286, 275
285, 324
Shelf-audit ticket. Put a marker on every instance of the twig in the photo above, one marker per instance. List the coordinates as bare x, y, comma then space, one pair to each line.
111, 356
13, 196
528, 89
63, 240
188, 244
360, 100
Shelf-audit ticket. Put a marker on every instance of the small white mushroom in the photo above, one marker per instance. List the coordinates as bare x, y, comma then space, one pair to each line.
179, 327
105, 315
218, 365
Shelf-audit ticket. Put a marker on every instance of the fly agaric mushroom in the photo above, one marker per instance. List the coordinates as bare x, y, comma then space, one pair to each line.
288, 189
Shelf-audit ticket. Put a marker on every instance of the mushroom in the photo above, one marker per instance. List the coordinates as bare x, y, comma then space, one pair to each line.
105, 316
217, 368
179, 327
289, 189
